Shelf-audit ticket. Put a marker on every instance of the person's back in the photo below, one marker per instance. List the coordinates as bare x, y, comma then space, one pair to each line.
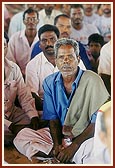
101, 150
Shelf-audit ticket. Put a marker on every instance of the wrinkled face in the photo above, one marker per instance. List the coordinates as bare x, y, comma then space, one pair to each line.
5, 47
95, 49
47, 40
31, 21
76, 15
64, 26
106, 8
66, 60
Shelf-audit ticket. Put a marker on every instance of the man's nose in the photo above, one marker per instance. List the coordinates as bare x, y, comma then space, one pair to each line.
49, 42
66, 59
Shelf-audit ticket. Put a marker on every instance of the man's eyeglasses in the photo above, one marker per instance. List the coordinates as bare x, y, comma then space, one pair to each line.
31, 20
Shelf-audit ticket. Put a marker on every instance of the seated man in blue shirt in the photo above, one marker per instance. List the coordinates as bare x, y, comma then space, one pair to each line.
70, 104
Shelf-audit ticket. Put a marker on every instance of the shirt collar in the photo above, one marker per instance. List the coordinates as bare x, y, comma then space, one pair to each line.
80, 72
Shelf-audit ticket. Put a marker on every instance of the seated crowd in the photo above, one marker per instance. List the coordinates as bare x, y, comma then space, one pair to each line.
57, 83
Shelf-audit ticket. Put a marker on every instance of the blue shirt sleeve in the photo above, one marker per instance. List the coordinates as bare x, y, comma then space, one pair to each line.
36, 50
49, 111
93, 117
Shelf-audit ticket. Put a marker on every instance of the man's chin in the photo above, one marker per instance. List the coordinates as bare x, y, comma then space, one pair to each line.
65, 74
50, 53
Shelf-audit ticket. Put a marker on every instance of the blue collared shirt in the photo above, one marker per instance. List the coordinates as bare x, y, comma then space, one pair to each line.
36, 50
56, 103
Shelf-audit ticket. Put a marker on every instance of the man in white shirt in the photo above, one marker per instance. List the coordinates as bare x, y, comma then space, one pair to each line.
48, 14
44, 63
89, 14
16, 23
22, 42
103, 23
80, 29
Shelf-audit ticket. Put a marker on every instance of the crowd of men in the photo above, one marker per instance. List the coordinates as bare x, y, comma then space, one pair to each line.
57, 76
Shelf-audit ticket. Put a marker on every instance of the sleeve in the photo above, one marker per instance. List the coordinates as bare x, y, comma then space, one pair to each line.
49, 111
93, 117
24, 94
11, 50
32, 78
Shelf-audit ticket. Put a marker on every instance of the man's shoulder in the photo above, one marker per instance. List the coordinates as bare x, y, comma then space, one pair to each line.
17, 16
36, 60
50, 79
90, 75
11, 64
16, 36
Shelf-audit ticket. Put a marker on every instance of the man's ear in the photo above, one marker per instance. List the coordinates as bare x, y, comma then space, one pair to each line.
24, 22
103, 138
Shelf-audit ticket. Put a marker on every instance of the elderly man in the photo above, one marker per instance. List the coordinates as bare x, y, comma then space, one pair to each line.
70, 105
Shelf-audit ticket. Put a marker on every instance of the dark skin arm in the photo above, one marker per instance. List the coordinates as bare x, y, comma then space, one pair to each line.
67, 153
56, 133
107, 81
16, 128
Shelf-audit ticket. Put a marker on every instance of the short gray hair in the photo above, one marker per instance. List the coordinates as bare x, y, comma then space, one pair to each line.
66, 41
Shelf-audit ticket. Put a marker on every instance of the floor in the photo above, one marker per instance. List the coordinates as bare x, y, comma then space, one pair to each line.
12, 156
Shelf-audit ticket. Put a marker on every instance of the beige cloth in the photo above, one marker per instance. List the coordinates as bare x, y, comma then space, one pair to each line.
89, 96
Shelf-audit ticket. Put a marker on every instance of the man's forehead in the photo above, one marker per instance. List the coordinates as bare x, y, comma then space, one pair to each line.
77, 9
48, 34
31, 14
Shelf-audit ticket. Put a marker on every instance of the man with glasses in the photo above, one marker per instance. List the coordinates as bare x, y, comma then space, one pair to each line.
22, 42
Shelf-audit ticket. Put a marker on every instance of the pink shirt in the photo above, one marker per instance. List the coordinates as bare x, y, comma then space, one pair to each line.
19, 50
